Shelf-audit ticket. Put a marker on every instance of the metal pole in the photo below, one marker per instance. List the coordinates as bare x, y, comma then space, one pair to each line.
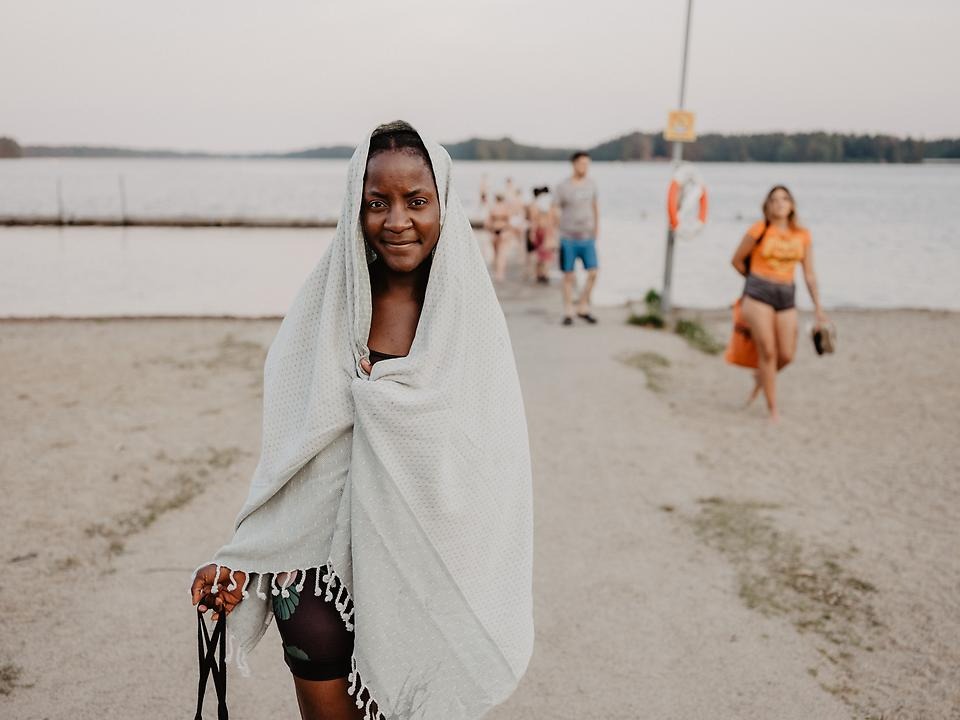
60, 199
123, 200
677, 157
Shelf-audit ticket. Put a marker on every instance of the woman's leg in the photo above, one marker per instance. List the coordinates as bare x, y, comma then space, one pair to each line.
757, 389
786, 337
500, 255
763, 328
317, 648
326, 700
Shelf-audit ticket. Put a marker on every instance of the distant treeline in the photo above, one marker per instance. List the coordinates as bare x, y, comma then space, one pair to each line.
765, 147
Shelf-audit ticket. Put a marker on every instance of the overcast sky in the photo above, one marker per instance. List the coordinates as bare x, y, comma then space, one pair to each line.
243, 76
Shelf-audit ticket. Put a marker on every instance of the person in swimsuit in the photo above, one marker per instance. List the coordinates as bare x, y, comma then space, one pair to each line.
400, 219
543, 222
767, 257
530, 260
498, 225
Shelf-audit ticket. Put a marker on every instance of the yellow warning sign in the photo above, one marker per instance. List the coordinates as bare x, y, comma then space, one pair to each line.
680, 127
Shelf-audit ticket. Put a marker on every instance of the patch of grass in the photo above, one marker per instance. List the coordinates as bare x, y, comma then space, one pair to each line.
646, 320
67, 563
778, 576
223, 458
652, 364
9, 675
130, 523
653, 317
653, 301
182, 488
242, 354
697, 336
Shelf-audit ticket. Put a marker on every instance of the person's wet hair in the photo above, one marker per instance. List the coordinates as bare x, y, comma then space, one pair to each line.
579, 154
792, 217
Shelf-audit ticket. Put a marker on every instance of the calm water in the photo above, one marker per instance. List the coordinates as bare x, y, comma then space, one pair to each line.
884, 236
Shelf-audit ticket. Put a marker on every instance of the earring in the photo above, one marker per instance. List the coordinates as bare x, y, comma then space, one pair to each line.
371, 254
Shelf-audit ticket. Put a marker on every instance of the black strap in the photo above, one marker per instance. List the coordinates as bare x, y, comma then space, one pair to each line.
207, 646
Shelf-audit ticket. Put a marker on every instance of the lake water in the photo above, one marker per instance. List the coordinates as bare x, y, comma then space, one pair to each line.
885, 235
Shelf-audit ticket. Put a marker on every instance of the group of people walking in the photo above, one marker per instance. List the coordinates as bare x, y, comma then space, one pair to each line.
567, 220
564, 220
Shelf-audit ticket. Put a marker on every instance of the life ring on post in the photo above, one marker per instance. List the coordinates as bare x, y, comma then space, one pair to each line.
687, 202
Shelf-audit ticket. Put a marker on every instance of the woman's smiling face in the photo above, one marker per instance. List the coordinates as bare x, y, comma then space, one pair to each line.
400, 215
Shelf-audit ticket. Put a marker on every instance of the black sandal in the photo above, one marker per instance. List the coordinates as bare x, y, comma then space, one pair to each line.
588, 317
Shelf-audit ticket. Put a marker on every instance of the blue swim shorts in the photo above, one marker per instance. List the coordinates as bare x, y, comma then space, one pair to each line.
573, 248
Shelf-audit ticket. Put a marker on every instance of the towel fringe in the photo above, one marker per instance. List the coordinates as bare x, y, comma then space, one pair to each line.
330, 579
345, 607
334, 591
285, 585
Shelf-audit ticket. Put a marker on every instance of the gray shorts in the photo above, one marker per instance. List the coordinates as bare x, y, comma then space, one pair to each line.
779, 296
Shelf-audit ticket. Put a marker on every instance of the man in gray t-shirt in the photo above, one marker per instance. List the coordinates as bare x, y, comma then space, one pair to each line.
576, 201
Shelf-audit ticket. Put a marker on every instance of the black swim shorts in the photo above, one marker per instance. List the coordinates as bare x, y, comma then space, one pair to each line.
780, 296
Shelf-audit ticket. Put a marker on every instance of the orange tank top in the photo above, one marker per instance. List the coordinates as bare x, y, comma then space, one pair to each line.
776, 256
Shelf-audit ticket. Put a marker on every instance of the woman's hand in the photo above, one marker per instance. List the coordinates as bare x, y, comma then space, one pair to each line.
223, 600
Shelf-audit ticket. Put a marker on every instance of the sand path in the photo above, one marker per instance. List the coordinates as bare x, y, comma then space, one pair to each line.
690, 561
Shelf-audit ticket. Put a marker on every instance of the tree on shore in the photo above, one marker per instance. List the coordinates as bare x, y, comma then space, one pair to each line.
10, 148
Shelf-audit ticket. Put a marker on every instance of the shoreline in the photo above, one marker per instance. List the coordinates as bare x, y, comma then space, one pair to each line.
677, 311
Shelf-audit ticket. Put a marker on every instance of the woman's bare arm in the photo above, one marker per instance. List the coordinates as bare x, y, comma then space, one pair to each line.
810, 278
743, 251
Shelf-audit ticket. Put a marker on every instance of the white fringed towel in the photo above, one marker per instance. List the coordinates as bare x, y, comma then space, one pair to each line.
412, 486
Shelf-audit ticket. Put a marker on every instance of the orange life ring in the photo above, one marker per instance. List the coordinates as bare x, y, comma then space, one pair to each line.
673, 205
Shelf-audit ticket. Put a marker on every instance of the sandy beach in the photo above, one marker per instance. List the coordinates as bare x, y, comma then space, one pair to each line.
692, 561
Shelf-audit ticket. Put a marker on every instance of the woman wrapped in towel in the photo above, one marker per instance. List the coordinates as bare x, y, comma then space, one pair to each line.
388, 527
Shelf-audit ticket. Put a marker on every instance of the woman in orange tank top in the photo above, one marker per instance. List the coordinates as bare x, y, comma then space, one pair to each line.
767, 257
